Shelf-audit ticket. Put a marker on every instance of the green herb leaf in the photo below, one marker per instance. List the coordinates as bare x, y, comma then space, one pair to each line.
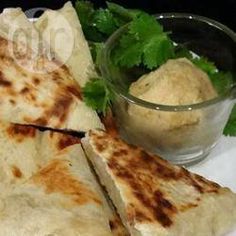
95, 49
99, 24
181, 51
144, 27
222, 81
129, 52
86, 14
157, 51
96, 95
206, 65
104, 21
230, 128
144, 43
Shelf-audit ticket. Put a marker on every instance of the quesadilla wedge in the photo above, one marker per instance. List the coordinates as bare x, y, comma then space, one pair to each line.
75, 52
33, 96
25, 152
61, 198
25, 149
154, 197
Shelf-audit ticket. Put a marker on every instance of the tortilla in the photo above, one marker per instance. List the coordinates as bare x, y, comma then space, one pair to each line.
31, 163
59, 199
154, 197
40, 92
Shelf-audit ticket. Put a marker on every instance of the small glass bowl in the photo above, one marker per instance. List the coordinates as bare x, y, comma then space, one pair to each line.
190, 143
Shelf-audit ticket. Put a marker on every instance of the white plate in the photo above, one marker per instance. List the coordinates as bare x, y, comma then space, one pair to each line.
220, 166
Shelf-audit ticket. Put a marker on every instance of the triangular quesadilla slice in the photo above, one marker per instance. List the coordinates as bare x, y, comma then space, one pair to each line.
25, 149
40, 92
26, 152
154, 197
60, 199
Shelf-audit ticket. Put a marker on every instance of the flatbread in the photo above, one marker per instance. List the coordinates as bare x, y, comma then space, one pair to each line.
24, 150
36, 88
51, 99
59, 199
25, 154
156, 198
61, 29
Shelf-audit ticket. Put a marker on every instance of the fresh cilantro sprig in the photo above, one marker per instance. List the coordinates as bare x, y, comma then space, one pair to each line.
86, 14
204, 64
95, 49
145, 43
96, 95
99, 24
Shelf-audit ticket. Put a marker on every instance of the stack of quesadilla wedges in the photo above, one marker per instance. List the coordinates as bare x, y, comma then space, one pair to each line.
48, 186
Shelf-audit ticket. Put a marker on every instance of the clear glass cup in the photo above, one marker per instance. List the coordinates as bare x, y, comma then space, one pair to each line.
189, 143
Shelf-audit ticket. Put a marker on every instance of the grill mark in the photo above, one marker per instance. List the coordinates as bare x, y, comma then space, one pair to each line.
3, 81
161, 209
20, 132
75, 91
13, 102
40, 121
66, 141
16, 172
60, 108
36, 81
192, 181
24, 90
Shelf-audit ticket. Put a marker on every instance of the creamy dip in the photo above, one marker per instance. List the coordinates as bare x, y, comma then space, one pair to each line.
177, 82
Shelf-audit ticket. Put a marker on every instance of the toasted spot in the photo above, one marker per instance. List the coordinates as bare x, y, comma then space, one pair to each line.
24, 90
20, 132
32, 97
66, 141
3, 81
13, 102
56, 76
55, 177
36, 81
60, 108
40, 121
75, 90
16, 172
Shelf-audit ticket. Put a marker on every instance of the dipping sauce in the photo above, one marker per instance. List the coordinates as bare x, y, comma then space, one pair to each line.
177, 82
